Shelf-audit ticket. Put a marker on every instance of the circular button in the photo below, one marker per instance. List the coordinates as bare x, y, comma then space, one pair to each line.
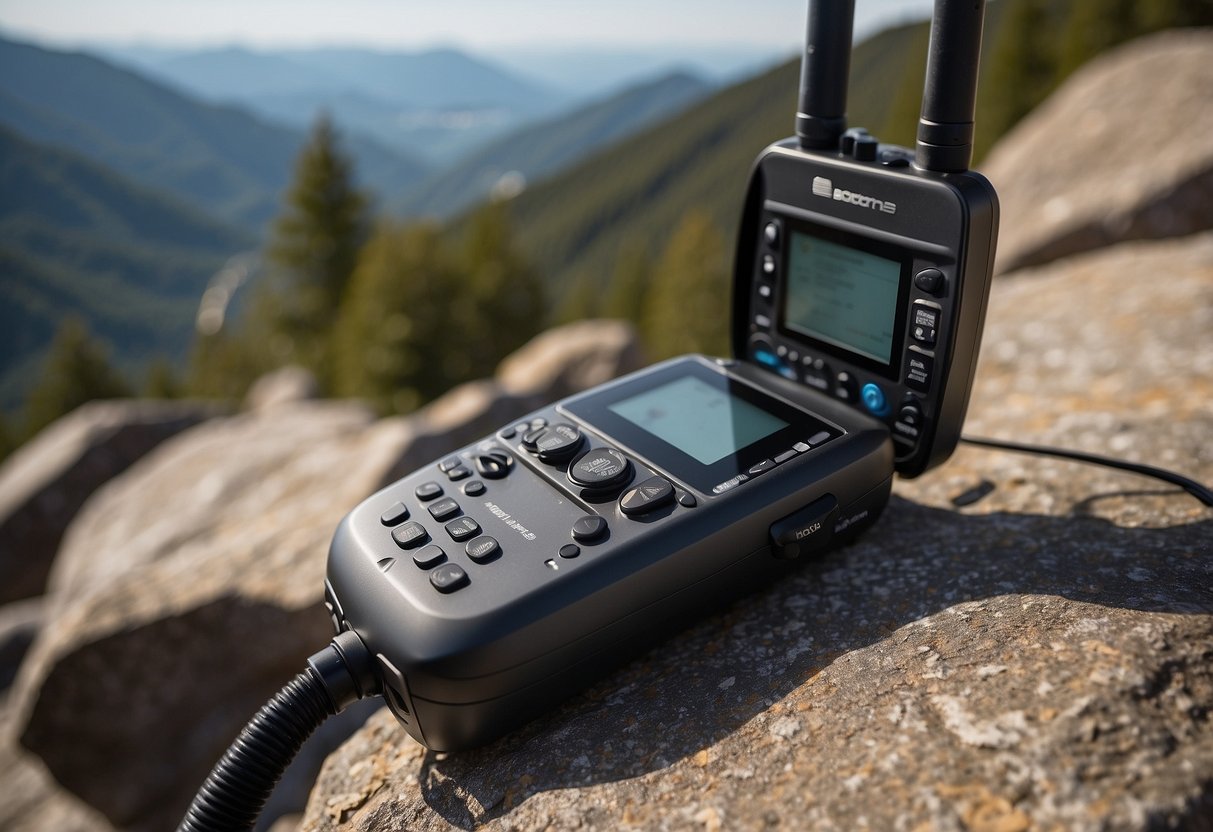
600, 468
530, 439
768, 264
874, 400
929, 280
589, 528
558, 443
570, 550
771, 233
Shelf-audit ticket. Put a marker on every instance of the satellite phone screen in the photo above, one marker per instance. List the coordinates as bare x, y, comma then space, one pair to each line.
703, 421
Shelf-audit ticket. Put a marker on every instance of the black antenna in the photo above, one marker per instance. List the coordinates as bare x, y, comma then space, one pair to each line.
945, 129
822, 115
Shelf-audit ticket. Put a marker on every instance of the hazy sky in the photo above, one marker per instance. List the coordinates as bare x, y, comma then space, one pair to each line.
485, 24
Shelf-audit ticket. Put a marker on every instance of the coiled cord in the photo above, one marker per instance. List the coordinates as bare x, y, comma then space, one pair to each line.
241, 782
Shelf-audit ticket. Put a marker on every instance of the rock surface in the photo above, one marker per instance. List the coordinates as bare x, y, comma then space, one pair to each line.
188, 589
45, 482
1018, 644
1121, 151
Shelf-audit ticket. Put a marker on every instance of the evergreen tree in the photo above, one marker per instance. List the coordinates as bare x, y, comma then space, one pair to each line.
314, 248
499, 302
395, 333
161, 382
1024, 67
688, 307
77, 370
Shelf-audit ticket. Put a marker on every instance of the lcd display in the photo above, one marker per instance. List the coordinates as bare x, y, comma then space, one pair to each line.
842, 296
699, 419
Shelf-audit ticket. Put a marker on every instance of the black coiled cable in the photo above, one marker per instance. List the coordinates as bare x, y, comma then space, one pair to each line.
240, 784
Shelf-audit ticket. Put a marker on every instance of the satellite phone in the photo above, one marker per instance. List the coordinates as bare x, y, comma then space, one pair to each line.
493, 583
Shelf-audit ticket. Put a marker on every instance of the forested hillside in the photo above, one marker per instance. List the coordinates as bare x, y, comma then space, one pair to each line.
79, 240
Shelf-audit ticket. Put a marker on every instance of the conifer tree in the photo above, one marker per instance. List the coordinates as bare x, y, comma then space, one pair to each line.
395, 335
629, 284
314, 249
1024, 67
77, 370
688, 305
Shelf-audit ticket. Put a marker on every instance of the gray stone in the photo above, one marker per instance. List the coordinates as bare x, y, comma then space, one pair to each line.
1121, 151
189, 590
285, 386
1019, 643
19, 623
44, 483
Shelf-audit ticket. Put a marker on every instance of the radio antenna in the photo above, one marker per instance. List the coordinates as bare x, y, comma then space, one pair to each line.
822, 115
945, 128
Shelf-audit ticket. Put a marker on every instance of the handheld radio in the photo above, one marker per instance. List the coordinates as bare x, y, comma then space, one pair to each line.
493, 583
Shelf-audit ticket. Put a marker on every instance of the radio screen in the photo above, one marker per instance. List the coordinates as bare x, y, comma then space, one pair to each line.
842, 296
699, 419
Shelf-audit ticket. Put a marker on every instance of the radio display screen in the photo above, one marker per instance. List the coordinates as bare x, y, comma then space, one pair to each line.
695, 422
842, 296
706, 422
845, 295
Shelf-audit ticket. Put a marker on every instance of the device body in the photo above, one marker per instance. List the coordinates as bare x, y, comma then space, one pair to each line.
531, 624
902, 343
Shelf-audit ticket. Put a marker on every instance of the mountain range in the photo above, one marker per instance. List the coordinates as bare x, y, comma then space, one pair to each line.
434, 104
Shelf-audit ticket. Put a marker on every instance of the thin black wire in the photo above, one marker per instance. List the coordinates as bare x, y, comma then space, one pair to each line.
1197, 490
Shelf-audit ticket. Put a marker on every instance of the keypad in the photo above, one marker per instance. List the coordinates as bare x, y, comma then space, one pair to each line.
444, 509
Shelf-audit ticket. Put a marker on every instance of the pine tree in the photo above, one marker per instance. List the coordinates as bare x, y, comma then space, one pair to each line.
396, 335
77, 370
161, 381
1024, 66
314, 248
688, 306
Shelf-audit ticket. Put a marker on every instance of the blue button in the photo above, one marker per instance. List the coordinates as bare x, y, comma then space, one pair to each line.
768, 358
874, 400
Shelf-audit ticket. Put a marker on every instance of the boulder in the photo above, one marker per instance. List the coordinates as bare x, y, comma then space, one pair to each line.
1019, 643
44, 483
284, 386
1121, 151
190, 589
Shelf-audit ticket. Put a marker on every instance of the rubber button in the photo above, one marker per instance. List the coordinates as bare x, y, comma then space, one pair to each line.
589, 528
845, 387
600, 468
429, 557
649, 495
444, 509
929, 280
559, 443
569, 551
493, 465
459, 472
874, 400
473, 488
428, 491
804, 531
463, 528
761, 467
449, 577
483, 549
410, 535
395, 514
448, 463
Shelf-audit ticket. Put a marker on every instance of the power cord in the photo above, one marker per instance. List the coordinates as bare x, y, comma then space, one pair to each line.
240, 784
1200, 492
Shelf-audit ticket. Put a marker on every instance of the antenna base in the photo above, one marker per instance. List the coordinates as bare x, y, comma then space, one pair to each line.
819, 132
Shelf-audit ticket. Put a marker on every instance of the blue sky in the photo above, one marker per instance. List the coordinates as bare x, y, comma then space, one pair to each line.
488, 25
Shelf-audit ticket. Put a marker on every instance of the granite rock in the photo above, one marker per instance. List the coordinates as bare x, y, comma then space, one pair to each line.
1120, 151
190, 588
44, 483
1019, 643
285, 386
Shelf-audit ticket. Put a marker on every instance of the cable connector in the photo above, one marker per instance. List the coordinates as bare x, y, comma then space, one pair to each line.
346, 669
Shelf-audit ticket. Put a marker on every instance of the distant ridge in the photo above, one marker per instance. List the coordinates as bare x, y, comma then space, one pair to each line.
219, 158
542, 149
